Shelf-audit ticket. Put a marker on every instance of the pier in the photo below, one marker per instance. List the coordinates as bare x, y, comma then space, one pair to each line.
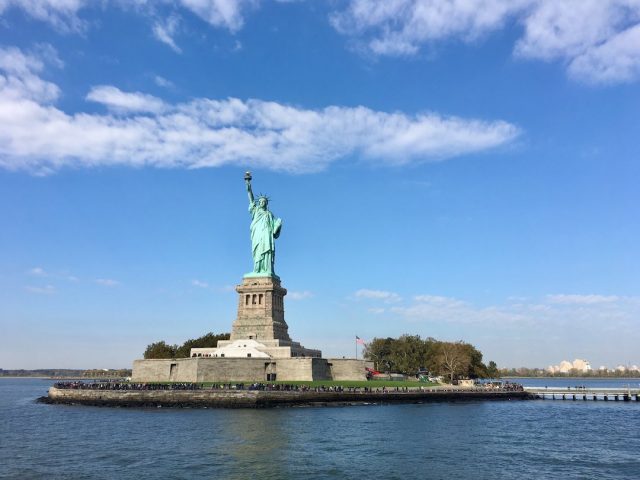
584, 394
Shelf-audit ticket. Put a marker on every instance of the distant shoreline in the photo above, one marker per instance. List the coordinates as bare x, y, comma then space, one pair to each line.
577, 378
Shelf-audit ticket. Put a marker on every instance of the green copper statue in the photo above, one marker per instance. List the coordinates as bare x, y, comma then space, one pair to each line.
265, 228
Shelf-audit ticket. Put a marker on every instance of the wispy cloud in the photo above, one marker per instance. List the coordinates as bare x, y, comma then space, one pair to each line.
60, 14
582, 299
41, 272
439, 309
64, 15
163, 82
299, 295
107, 282
41, 138
200, 284
165, 30
119, 101
553, 311
400, 27
37, 272
387, 297
45, 290
598, 40
227, 14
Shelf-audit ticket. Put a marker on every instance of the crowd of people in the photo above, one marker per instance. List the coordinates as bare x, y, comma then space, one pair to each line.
77, 385
279, 387
512, 387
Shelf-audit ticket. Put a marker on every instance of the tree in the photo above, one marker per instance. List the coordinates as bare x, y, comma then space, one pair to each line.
476, 368
379, 351
160, 350
210, 340
408, 354
453, 358
492, 370
163, 350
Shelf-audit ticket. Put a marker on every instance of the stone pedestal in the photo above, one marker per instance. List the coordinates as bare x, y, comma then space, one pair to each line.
260, 327
261, 311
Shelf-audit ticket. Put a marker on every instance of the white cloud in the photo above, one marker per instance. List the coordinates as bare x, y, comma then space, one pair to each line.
46, 290
163, 82
41, 138
107, 282
439, 309
165, 30
60, 14
21, 80
215, 288
63, 15
616, 60
199, 284
597, 39
387, 297
399, 27
582, 299
41, 272
437, 300
299, 295
119, 101
220, 13
558, 311
37, 272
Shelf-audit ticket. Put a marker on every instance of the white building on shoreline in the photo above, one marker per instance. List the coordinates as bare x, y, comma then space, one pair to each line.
580, 365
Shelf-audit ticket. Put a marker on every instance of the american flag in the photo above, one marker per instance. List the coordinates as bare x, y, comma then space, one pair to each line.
359, 340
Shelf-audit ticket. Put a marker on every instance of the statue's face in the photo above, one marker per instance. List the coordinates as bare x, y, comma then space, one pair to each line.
262, 202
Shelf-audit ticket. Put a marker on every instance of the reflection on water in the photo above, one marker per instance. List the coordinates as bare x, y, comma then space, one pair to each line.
479, 440
253, 441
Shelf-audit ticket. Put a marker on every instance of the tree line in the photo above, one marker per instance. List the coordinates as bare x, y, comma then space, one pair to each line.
409, 354
162, 349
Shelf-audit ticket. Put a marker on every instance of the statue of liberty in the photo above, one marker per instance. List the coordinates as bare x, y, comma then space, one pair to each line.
265, 228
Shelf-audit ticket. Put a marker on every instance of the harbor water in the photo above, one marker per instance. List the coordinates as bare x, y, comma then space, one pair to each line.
476, 440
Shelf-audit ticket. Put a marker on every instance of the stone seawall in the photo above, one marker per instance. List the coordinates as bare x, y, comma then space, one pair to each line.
261, 398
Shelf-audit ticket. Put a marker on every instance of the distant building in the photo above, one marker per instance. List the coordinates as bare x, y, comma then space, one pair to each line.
565, 366
581, 365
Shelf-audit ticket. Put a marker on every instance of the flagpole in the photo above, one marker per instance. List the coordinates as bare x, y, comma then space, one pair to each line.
356, 339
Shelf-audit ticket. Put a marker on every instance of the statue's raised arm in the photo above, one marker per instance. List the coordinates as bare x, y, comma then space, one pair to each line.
247, 179
265, 228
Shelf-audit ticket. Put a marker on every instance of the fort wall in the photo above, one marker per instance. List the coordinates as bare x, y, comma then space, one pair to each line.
216, 369
262, 398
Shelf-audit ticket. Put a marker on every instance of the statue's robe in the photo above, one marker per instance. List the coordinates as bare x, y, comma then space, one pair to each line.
265, 228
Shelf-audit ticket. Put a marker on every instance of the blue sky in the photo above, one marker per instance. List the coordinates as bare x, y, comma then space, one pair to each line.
462, 170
